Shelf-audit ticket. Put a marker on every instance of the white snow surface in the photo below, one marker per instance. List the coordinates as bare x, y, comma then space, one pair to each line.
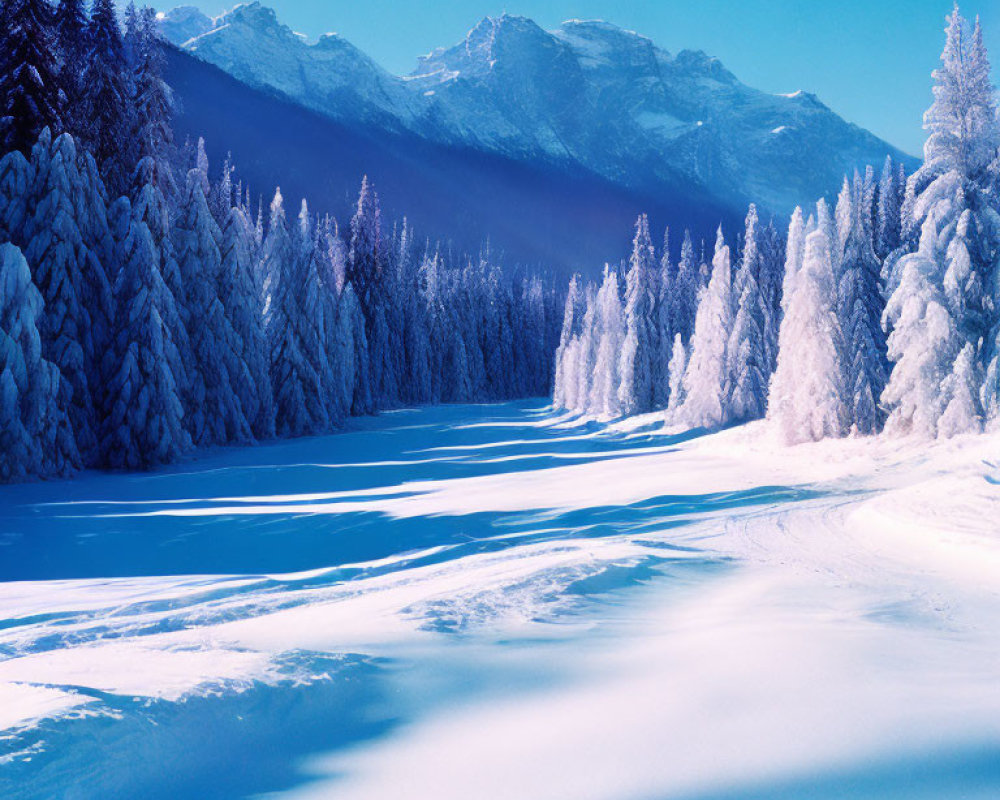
811, 611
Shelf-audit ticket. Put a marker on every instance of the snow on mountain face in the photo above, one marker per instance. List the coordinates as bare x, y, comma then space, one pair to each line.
331, 75
588, 94
184, 23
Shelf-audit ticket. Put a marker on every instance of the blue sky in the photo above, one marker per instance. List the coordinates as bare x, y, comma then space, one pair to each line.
869, 60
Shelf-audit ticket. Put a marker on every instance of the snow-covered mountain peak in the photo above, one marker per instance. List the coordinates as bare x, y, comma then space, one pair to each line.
511, 39
588, 95
184, 23
699, 63
257, 17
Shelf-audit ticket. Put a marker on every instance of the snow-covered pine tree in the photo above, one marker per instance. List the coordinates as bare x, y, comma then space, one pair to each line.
29, 89
806, 390
338, 406
923, 343
35, 435
606, 400
418, 384
705, 378
242, 298
354, 320
664, 286
675, 370
887, 231
794, 256
213, 410
297, 382
843, 216
949, 192
16, 180
311, 305
431, 289
747, 370
685, 293
960, 394
365, 272
861, 306
58, 255
637, 392
143, 426
150, 207
772, 270
534, 349
565, 379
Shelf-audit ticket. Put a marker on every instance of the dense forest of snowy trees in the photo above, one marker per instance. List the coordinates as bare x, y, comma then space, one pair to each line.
882, 313
147, 308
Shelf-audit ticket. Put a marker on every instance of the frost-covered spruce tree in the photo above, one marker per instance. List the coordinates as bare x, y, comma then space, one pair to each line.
431, 290
675, 371
922, 345
57, 254
295, 375
215, 415
29, 89
962, 412
535, 345
35, 434
685, 292
705, 378
865, 364
242, 298
637, 391
747, 371
418, 381
605, 398
960, 263
109, 92
572, 320
887, 229
16, 181
586, 357
843, 216
794, 257
327, 254
311, 307
806, 390
494, 334
772, 270
150, 207
144, 422
365, 271
354, 320
90, 202
664, 286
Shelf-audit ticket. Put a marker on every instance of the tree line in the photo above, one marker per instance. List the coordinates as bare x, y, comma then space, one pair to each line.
879, 314
146, 308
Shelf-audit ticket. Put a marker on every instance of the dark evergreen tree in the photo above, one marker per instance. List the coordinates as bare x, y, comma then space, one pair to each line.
29, 89
109, 94
72, 50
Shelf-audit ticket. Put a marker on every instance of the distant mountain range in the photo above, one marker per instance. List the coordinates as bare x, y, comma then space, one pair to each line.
587, 101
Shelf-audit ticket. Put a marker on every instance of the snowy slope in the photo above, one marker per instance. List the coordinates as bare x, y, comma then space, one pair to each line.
587, 95
564, 610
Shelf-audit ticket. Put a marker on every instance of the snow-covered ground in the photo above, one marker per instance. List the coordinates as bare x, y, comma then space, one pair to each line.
493, 602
